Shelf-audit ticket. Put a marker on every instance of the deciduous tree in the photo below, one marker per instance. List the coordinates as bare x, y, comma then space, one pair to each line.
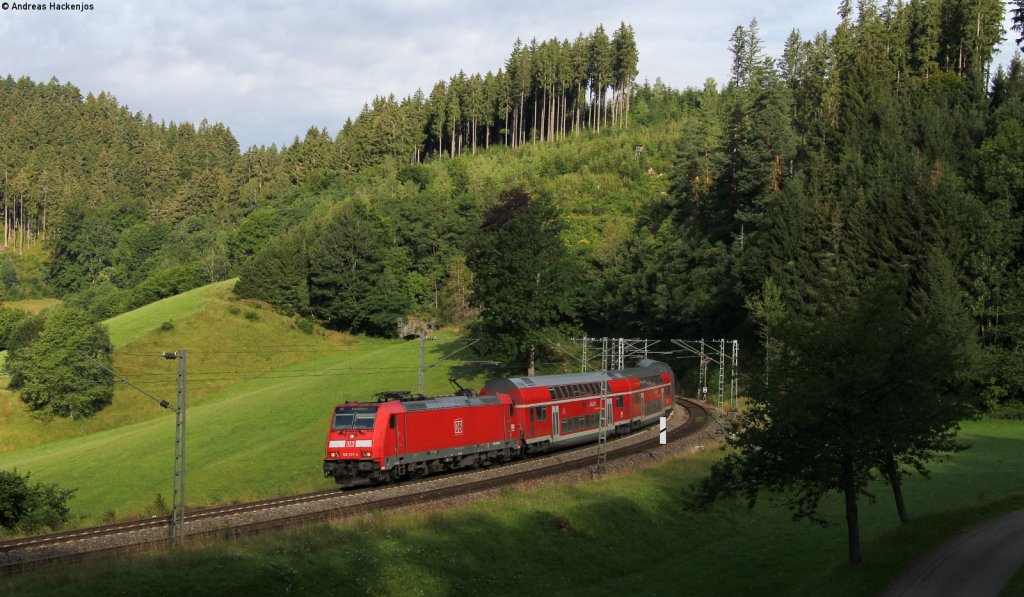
57, 372
525, 279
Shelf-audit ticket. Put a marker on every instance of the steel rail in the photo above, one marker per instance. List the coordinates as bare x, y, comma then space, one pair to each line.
49, 550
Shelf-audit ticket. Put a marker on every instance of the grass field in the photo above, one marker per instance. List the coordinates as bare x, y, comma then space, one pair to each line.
626, 535
260, 392
30, 305
128, 326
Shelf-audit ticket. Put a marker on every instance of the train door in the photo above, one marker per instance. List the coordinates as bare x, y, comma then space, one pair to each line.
609, 420
556, 428
397, 424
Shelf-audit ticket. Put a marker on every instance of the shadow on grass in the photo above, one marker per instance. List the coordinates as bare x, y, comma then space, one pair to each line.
630, 535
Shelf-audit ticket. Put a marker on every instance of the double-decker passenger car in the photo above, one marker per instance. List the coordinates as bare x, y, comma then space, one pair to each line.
565, 410
379, 442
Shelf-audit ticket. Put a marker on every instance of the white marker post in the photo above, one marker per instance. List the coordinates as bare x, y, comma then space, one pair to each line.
664, 430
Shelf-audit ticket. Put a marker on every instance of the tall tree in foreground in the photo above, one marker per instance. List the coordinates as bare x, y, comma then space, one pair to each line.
864, 387
525, 279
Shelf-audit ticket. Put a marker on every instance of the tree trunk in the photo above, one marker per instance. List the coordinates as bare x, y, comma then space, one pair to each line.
852, 521
543, 115
7, 233
551, 116
629, 93
20, 239
893, 473
522, 120
533, 130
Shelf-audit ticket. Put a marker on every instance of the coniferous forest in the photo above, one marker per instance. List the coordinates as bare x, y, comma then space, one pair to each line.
888, 150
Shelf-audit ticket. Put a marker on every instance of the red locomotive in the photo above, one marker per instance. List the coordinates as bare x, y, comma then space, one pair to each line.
379, 442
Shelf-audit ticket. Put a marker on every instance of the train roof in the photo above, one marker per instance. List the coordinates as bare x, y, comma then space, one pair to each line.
413, 404
442, 402
643, 368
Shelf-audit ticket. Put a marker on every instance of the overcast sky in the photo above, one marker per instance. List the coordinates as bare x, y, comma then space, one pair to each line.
270, 69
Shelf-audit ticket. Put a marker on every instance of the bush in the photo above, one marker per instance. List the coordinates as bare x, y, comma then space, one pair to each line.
9, 319
160, 507
29, 508
1013, 411
304, 325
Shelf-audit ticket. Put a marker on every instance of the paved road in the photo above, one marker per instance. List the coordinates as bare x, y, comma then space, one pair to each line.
976, 563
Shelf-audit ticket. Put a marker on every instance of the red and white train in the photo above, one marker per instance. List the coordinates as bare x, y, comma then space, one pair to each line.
379, 442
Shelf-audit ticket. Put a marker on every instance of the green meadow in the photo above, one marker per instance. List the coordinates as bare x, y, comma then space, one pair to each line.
260, 392
625, 535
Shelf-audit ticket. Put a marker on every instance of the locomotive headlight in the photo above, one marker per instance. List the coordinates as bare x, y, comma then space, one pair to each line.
334, 454
366, 454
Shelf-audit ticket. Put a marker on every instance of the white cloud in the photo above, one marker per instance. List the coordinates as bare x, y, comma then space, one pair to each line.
269, 69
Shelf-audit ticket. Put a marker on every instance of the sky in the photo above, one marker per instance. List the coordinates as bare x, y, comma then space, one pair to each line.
271, 69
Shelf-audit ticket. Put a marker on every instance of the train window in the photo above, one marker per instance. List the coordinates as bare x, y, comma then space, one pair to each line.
620, 402
531, 415
354, 417
565, 425
393, 421
553, 393
539, 413
560, 390
592, 387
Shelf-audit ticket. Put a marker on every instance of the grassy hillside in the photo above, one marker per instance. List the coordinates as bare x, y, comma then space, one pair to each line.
627, 535
129, 326
260, 391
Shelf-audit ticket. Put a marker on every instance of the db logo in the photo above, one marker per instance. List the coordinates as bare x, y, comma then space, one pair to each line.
458, 426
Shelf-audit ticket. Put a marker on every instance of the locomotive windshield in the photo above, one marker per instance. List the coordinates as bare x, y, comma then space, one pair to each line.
354, 417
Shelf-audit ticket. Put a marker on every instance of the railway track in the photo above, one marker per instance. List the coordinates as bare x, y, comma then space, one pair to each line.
320, 506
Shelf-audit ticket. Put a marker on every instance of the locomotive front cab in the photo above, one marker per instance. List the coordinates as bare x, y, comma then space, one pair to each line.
352, 456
